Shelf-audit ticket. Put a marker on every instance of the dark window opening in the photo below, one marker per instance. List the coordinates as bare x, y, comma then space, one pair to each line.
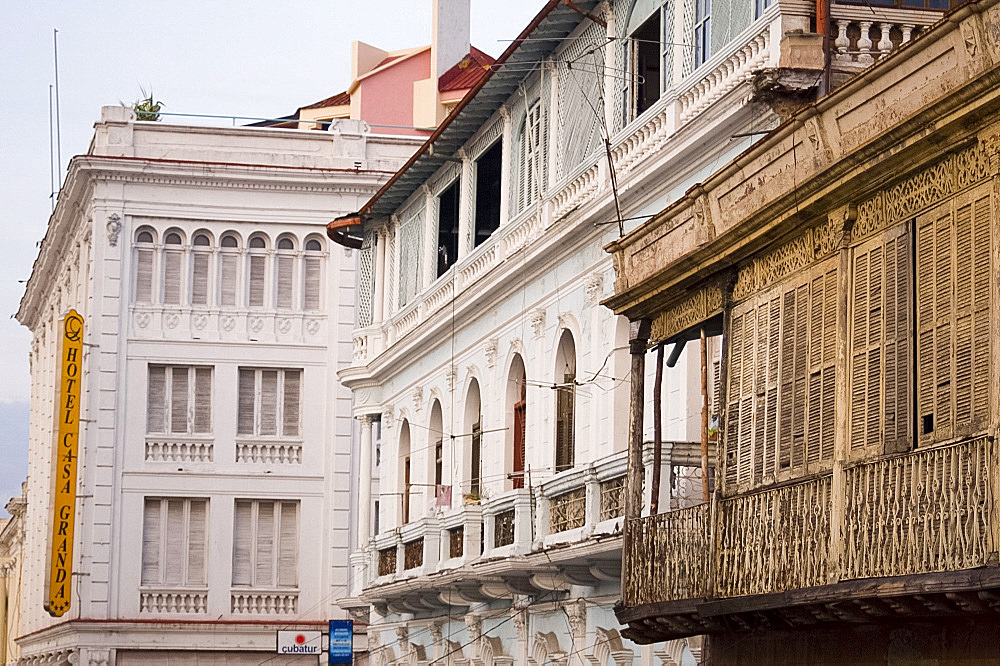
406, 490
477, 434
928, 423
447, 228
438, 460
647, 48
488, 169
702, 31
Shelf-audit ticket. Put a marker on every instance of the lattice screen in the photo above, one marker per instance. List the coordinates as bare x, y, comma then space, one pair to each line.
390, 272
687, 14
366, 280
622, 8
410, 245
581, 99
729, 18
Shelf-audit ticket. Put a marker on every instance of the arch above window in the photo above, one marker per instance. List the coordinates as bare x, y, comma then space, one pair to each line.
230, 240
313, 245
285, 243
202, 240
144, 236
257, 243
172, 238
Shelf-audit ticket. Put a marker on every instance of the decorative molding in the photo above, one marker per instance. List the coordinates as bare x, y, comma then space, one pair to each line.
450, 375
518, 616
576, 611
923, 189
284, 325
142, 319
114, 228
387, 420
199, 321
595, 289
228, 323
704, 303
538, 322
256, 324
418, 397
171, 320
312, 326
491, 352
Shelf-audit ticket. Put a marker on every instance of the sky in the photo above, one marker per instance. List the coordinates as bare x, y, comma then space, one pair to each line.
215, 57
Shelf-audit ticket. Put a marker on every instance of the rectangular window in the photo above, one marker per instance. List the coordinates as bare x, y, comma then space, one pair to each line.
782, 379
438, 462
646, 50
265, 544
255, 296
565, 446
702, 31
476, 462
447, 236
199, 277
144, 276
530, 164
179, 400
228, 278
172, 277
174, 532
488, 179
953, 275
269, 402
761, 5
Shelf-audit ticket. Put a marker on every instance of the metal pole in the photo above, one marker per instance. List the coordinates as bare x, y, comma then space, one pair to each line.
55, 49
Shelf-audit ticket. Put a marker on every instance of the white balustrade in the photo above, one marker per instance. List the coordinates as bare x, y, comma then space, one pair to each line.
173, 450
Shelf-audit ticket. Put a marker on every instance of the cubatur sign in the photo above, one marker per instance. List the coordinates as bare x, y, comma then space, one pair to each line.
64, 466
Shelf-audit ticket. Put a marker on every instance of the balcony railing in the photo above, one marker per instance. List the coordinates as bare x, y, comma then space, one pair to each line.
179, 448
861, 35
926, 511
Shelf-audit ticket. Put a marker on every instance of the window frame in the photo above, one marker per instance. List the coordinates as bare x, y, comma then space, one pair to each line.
281, 422
165, 539
196, 400
253, 547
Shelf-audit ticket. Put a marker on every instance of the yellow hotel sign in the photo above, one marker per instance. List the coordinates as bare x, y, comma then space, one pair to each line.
64, 467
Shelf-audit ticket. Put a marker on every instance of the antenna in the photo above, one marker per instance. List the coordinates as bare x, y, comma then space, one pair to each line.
55, 50
52, 160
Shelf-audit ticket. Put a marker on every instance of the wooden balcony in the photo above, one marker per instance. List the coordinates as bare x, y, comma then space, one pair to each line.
911, 535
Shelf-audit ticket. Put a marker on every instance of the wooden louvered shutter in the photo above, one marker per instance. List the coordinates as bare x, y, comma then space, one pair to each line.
288, 546
245, 418
284, 283
745, 455
172, 277
772, 386
310, 296
144, 276
880, 345
197, 539
256, 278
759, 393
199, 278
291, 403
173, 566
801, 339
954, 250
264, 546
242, 542
822, 360
178, 400
731, 441
564, 425
972, 311
156, 395
268, 402
151, 542
787, 380
202, 400
228, 279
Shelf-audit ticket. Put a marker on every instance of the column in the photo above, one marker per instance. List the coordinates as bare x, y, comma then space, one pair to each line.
506, 159
638, 340
365, 493
466, 207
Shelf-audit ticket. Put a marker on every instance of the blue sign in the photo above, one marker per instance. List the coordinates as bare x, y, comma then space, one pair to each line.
341, 641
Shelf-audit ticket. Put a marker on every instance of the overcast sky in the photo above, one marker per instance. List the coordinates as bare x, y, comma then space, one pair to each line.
247, 58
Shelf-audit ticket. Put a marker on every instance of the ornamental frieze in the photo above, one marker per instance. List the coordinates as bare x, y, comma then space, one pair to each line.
699, 306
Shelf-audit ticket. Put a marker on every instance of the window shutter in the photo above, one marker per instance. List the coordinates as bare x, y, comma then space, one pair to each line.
268, 402
228, 279
564, 425
172, 277
264, 547
733, 412
787, 377
290, 403
288, 546
245, 418
760, 393
801, 372
173, 569
202, 400
199, 278
310, 297
197, 530
771, 397
283, 296
178, 400
256, 294
242, 542
144, 276
151, 542
822, 367
156, 399
745, 460
981, 300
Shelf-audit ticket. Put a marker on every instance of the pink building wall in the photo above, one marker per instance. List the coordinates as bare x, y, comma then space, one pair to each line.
387, 96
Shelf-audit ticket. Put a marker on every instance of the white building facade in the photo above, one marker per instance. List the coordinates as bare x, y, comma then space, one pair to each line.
216, 441
492, 386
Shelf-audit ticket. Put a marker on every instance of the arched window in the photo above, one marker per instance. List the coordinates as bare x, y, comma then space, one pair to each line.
144, 252
436, 441
173, 258
404, 482
201, 259
284, 274
474, 429
565, 381
517, 413
229, 273
312, 275
256, 269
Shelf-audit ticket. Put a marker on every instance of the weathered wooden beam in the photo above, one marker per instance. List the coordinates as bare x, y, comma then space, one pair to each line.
654, 497
638, 341
704, 414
